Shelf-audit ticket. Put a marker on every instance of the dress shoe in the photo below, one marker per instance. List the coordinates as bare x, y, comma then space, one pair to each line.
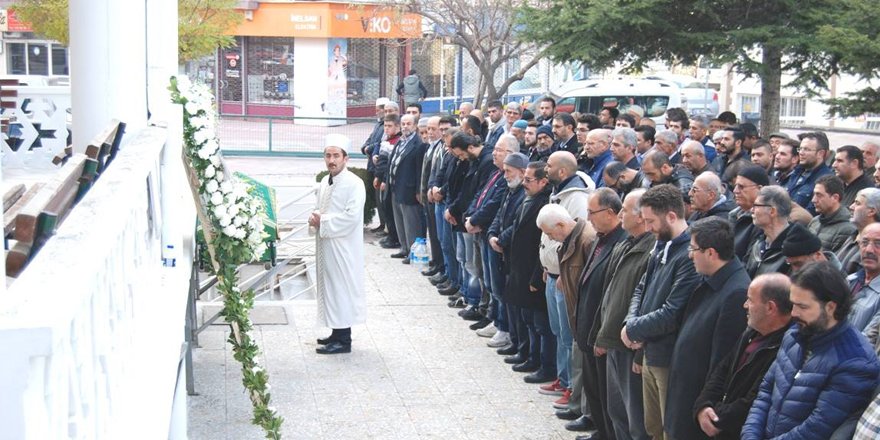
471, 314
431, 271
526, 367
389, 244
380, 233
590, 436
438, 279
483, 322
540, 377
451, 290
443, 284
583, 423
514, 359
400, 254
380, 228
334, 348
507, 350
567, 414
325, 341
405, 260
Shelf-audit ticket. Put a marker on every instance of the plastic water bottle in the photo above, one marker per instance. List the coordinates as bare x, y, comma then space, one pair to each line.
412, 251
421, 254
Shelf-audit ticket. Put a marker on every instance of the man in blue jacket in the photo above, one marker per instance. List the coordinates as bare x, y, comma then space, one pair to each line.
825, 371
659, 300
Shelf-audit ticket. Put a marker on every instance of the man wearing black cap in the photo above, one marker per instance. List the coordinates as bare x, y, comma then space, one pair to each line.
770, 213
801, 247
544, 146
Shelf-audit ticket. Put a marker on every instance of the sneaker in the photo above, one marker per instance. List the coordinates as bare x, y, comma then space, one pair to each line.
500, 339
457, 303
552, 389
481, 324
487, 331
470, 314
438, 279
562, 402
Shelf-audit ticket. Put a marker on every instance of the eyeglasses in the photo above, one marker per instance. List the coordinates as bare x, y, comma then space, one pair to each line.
557, 126
761, 205
808, 150
693, 250
529, 179
865, 242
511, 112
597, 211
696, 189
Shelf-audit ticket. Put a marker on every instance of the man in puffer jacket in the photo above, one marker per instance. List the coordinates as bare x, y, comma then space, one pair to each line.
411, 89
825, 371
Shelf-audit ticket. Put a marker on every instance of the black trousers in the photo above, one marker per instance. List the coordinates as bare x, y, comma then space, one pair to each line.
386, 206
596, 390
436, 251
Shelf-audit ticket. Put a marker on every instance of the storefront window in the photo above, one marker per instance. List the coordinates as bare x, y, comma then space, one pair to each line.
28, 58
231, 72
59, 60
38, 59
16, 58
270, 70
363, 71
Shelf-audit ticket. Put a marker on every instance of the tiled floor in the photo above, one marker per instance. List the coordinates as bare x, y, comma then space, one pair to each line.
416, 371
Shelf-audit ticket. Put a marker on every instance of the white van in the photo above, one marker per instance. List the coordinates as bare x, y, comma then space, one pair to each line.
591, 96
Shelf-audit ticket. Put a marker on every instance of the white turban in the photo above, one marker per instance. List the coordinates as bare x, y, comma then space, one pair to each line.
339, 141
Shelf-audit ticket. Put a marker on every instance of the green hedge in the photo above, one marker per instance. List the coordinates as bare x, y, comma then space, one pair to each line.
370, 204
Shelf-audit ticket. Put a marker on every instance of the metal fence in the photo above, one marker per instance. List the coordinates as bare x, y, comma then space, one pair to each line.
285, 136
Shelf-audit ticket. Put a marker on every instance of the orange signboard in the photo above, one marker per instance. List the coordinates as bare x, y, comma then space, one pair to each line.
329, 20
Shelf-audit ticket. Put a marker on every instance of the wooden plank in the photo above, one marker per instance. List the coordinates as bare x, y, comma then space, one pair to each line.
90, 173
12, 195
10, 214
53, 195
17, 258
8, 93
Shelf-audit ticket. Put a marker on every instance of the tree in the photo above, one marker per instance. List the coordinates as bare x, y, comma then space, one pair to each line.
487, 30
764, 39
202, 24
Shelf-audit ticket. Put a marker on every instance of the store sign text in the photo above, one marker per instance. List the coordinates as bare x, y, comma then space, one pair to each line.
377, 25
305, 22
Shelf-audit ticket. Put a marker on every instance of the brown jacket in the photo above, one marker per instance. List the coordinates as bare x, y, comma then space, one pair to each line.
572, 258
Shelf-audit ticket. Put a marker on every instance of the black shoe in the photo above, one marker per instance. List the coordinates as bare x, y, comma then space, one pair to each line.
405, 260
438, 279
400, 254
540, 377
450, 290
471, 314
380, 228
526, 367
327, 340
590, 436
380, 234
389, 244
507, 350
480, 324
432, 271
457, 303
567, 414
583, 423
334, 348
514, 359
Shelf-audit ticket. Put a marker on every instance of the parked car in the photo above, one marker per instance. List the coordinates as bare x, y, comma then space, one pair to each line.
701, 100
591, 96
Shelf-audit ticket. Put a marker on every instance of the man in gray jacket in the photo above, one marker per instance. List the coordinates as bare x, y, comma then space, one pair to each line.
659, 300
411, 88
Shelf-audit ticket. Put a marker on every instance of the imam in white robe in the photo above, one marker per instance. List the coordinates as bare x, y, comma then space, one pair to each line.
339, 251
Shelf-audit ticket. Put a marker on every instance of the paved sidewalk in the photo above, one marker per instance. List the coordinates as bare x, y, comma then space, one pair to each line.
416, 371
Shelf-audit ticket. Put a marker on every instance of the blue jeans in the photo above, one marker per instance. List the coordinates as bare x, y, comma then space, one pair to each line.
492, 277
542, 344
470, 289
558, 316
444, 232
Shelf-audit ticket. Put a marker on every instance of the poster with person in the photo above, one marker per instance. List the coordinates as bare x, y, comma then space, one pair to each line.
337, 83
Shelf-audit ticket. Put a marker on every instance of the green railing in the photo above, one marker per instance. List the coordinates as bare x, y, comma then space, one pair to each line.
288, 136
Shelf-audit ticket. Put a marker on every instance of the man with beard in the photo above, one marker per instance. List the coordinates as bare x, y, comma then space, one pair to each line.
563, 127
785, 161
825, 371
849, 164
544, 145
644, 139
530, 137
731, 155
812, 153
660, 298
546, 111
500, 233
622, 179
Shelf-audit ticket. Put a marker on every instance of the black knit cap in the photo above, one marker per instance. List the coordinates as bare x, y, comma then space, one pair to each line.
755, 174
800, 241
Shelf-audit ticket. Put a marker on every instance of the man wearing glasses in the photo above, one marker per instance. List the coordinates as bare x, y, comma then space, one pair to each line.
563, 128
745, 191
770, 213
812, 154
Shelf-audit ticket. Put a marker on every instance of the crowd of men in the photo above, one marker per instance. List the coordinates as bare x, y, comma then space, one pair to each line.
696, 281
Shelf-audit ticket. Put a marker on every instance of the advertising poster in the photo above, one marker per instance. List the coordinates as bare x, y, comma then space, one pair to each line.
337, 84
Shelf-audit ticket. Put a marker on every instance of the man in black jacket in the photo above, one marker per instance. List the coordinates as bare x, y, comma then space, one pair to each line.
371, 144
660, 298
712, 322
723, 404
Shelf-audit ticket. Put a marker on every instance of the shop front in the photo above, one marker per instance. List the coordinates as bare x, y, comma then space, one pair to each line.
314, 60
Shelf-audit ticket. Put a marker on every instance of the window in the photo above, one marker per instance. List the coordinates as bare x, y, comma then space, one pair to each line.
749, 104
792, 112
270, 70
26, 58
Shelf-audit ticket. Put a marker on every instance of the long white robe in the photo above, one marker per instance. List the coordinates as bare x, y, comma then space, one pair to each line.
339, 251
